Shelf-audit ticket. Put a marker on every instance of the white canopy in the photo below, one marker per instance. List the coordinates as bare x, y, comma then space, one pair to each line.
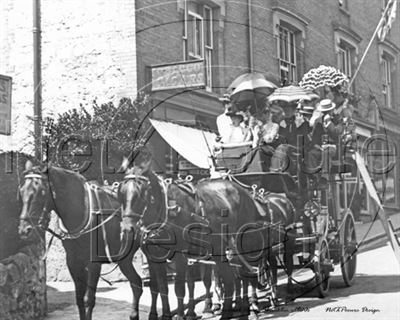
192, 144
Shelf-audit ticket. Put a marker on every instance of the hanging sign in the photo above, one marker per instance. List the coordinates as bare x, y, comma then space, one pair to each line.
178, 75
5, 104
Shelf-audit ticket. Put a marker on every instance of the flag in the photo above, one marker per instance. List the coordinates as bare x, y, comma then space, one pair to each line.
388, 19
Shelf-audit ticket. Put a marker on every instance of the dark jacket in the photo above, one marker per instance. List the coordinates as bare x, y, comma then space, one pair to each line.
290, 133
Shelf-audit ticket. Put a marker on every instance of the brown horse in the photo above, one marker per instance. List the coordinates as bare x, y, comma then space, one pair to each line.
146, 199
240, 235
91, 219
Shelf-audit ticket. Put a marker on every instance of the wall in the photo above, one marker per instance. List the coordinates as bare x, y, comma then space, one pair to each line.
23, 285
88, 53
22, 272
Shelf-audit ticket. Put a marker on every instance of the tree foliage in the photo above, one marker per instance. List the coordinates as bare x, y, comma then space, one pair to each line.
77, 136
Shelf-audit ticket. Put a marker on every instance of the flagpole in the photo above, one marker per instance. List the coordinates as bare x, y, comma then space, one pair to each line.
371, 41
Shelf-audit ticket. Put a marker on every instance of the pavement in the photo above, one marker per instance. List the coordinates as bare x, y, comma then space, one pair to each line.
114, 302
368, 232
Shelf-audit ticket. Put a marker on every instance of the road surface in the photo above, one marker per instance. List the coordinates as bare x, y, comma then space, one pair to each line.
374, 295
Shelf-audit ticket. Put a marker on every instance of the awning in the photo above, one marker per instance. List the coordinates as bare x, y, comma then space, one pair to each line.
192, 144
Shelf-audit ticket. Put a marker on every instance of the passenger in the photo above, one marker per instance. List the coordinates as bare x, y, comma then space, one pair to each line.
293, 132
224, 122
265, 131
328, 126
238, 133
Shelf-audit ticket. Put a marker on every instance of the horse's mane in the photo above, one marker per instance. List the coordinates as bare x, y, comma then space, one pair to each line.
69, 173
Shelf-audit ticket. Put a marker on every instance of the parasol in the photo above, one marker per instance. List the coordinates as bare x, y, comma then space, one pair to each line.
245, 77
323, 76
291, 94
250, 89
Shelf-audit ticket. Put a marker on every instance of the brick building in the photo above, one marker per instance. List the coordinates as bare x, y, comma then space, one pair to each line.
106, 50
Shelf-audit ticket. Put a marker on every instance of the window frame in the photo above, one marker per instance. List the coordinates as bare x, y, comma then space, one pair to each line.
206, 52
387, 82
289, 61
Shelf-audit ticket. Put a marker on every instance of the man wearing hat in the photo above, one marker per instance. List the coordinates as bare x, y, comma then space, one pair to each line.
291, 130
327, 130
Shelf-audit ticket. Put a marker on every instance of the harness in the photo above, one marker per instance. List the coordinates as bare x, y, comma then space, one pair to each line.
65, 233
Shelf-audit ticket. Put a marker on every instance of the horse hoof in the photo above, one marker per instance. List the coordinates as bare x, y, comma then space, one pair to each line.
153, 316
216, 309
134, 317
191, 315
226, 315
166, 317
254, 307
207, 306
236, 305
245, 310
178, 317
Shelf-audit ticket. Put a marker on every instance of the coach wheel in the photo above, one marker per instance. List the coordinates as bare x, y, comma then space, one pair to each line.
322, 268
348, 259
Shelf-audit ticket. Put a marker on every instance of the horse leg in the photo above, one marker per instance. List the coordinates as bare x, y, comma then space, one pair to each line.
79, 276
153, 284
191, 314
253, 300
288, 257
181, 266
135, 281
274, 281
219, 291
245, 306
90, 296
206, 276
162, 282
238, 292
228, 280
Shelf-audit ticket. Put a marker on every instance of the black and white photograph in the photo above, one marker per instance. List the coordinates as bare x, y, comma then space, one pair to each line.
199, 159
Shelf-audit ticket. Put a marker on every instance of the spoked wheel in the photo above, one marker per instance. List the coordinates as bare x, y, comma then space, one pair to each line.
348, 259
322, 268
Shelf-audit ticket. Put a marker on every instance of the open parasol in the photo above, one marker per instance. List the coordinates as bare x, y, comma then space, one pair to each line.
291, 94
323, 76
250, 89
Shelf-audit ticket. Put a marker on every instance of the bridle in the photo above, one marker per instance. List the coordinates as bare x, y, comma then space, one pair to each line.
42, 221
133, 214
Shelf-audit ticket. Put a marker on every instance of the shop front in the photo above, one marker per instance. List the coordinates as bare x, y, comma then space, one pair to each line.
179, 100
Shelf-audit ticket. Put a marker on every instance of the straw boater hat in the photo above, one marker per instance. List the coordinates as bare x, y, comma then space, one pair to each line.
306, 110
326, 105
225, 98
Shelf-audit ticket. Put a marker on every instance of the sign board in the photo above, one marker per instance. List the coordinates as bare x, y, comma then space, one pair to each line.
180, 75
5, 105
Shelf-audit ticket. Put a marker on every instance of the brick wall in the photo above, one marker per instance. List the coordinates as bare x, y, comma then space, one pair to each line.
88, 53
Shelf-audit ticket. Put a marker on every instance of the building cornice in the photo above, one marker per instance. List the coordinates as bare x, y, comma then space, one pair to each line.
291, 13
347, 32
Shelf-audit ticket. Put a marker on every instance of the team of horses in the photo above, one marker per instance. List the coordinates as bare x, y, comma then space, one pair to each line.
170, 220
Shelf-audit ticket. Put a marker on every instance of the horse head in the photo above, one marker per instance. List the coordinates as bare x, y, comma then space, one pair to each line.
181, 198
35, 195
140, 195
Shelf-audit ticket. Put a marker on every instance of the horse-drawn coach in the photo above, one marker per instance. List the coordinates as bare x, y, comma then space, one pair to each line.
245, 219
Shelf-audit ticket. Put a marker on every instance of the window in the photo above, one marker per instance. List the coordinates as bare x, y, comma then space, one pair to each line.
388, 87
287, 55
346, 48
344, 60
198, 37
290, 34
